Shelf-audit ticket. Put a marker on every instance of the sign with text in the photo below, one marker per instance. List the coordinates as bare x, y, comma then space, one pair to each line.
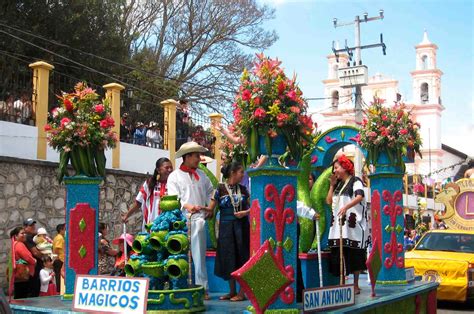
410, 274
320, 299
110, 294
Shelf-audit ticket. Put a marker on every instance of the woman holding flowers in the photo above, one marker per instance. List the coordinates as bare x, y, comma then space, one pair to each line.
234, 231
346, 195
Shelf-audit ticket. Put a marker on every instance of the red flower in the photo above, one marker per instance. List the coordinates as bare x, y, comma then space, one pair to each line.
47, 128
65, 121
104, 124
246, 95
68, 105
257, 101
403, 132
281, 88
384, 117
99, 108
259, 113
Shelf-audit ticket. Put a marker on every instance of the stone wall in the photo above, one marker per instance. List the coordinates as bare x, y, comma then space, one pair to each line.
29, 188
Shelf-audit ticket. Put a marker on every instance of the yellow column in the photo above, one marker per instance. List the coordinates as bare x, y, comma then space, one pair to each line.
113, 95
169, 130
40, 102
216, 119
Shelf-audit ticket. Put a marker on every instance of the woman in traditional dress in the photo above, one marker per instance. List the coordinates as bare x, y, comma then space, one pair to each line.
148, 198
346, 195
234, 232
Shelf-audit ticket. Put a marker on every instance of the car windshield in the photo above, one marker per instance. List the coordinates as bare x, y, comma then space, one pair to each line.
449, 242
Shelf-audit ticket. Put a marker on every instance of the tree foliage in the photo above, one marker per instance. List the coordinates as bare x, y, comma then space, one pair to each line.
193, 49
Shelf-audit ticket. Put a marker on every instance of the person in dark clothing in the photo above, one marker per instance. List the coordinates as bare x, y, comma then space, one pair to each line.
233, 245
29, 226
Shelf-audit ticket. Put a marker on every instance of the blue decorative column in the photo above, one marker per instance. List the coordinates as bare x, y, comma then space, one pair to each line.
388, 224
82, 224
273, 219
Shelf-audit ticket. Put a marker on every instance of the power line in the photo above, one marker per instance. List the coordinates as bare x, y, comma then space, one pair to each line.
129, 66
115, 62
80, 64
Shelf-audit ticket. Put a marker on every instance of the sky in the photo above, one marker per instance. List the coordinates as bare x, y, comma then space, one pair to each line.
305, 29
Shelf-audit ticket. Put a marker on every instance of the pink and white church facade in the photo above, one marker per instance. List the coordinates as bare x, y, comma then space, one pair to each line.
425, 103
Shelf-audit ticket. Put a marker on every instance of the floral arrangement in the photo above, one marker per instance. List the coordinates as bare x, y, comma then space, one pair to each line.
233, 151
80, 128
389, 129
270, 104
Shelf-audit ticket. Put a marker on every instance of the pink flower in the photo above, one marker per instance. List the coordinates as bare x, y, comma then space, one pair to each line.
295, 109
246, 95
99, 108
237, 115
281, 119
257, 101
65, 121
384, 117
372, 134
259, 113
403, 132
291, 94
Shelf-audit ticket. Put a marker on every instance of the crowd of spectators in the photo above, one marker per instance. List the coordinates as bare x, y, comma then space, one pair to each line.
17, 108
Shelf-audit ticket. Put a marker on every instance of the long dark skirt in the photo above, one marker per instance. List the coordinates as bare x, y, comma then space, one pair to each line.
233, 247
354, 260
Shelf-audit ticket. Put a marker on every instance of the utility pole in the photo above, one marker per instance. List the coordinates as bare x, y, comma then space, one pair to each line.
357, 75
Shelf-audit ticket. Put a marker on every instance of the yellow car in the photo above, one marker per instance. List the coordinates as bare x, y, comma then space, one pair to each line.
446, 256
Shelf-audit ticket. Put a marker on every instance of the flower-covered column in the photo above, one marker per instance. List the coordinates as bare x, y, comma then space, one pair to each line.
386, 185
82, 228
269, 277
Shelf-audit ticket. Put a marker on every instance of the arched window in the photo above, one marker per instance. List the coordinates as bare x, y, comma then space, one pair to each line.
424, 62
334, 71
335, 99
424, 95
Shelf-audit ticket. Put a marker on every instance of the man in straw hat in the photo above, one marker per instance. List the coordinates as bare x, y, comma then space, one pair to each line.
195, 190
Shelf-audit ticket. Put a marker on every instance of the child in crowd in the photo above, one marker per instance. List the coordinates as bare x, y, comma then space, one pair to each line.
43, 243
119, 267
48, 287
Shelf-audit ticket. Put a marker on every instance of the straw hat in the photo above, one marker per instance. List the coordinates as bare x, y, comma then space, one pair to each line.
128, 237
206, 159
190, 147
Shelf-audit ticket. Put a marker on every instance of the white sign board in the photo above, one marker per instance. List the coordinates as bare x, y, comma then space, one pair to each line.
320, 299
110, 294
410, 274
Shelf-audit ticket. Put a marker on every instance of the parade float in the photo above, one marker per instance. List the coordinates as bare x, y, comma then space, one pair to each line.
270, 114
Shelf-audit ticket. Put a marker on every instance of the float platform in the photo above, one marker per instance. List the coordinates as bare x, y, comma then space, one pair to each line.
418, 297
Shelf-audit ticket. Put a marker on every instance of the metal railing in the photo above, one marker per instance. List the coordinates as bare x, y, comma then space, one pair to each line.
16, 89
